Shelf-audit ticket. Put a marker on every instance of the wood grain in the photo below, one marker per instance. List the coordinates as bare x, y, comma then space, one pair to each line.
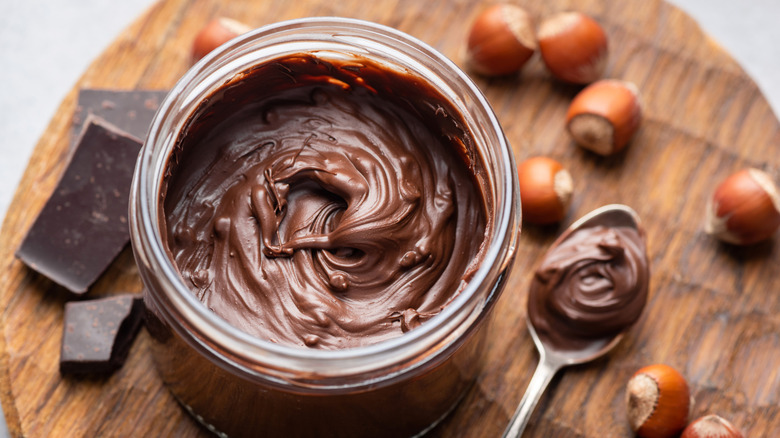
714, 310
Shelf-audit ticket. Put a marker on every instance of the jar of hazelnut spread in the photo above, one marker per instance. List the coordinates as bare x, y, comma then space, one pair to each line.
323, 214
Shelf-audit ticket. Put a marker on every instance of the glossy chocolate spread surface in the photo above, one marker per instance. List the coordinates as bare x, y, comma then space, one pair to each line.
324, 203
591, 286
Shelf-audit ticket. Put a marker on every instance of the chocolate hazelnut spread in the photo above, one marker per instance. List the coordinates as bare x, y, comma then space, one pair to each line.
323, 203
590, 286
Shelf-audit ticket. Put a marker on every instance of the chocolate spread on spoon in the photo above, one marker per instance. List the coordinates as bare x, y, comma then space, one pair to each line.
591, 285
325, 203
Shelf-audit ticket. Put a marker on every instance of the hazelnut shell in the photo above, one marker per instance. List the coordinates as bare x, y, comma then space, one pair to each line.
658, 401
214, 34
604, 116
744, 208
573, 46
501, 40
545, 190
711, 426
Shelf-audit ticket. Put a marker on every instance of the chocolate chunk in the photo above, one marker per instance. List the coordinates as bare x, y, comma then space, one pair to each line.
98, 333
129, 110
83, 225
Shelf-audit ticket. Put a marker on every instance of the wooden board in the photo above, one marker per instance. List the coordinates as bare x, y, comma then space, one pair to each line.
714, 310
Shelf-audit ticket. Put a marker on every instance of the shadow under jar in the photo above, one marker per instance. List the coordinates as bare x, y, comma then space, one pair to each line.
323, 215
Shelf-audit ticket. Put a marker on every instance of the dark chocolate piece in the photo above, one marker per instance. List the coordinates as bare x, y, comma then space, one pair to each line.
98, 333
129, 110
83, 225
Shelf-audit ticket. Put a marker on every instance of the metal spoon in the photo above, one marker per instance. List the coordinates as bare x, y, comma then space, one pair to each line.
551, 359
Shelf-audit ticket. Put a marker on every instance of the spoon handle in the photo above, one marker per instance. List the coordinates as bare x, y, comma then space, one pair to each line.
541, 378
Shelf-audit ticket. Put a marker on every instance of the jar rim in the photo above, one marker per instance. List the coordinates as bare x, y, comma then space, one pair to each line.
148, 243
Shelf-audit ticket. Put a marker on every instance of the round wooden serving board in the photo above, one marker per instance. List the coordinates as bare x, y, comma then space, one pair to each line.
713, 311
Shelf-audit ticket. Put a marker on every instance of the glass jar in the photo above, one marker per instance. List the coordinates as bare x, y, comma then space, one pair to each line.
238, 385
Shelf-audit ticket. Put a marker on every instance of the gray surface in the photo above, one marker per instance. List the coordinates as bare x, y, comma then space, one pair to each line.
748, 30
45, 45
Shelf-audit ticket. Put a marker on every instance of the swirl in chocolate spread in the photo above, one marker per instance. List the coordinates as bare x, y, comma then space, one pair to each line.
592, 285
325, 203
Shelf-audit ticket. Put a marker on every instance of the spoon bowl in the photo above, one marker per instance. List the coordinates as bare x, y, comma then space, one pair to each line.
553, 358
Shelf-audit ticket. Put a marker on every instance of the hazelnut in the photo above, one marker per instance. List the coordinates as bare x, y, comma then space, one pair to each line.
545, 190
711, 426
501, 40
573, 46
744, 209
214, 34
604, 116
658, 401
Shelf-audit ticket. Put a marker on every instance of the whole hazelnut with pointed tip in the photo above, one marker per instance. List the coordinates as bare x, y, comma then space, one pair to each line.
604, 116
573, 46
658, 402
744, 209
214, 34
545, 190
711, 426
501, 40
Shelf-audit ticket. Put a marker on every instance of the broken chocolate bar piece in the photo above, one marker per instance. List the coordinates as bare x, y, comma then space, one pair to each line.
83, 225
129, 110
98, 333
